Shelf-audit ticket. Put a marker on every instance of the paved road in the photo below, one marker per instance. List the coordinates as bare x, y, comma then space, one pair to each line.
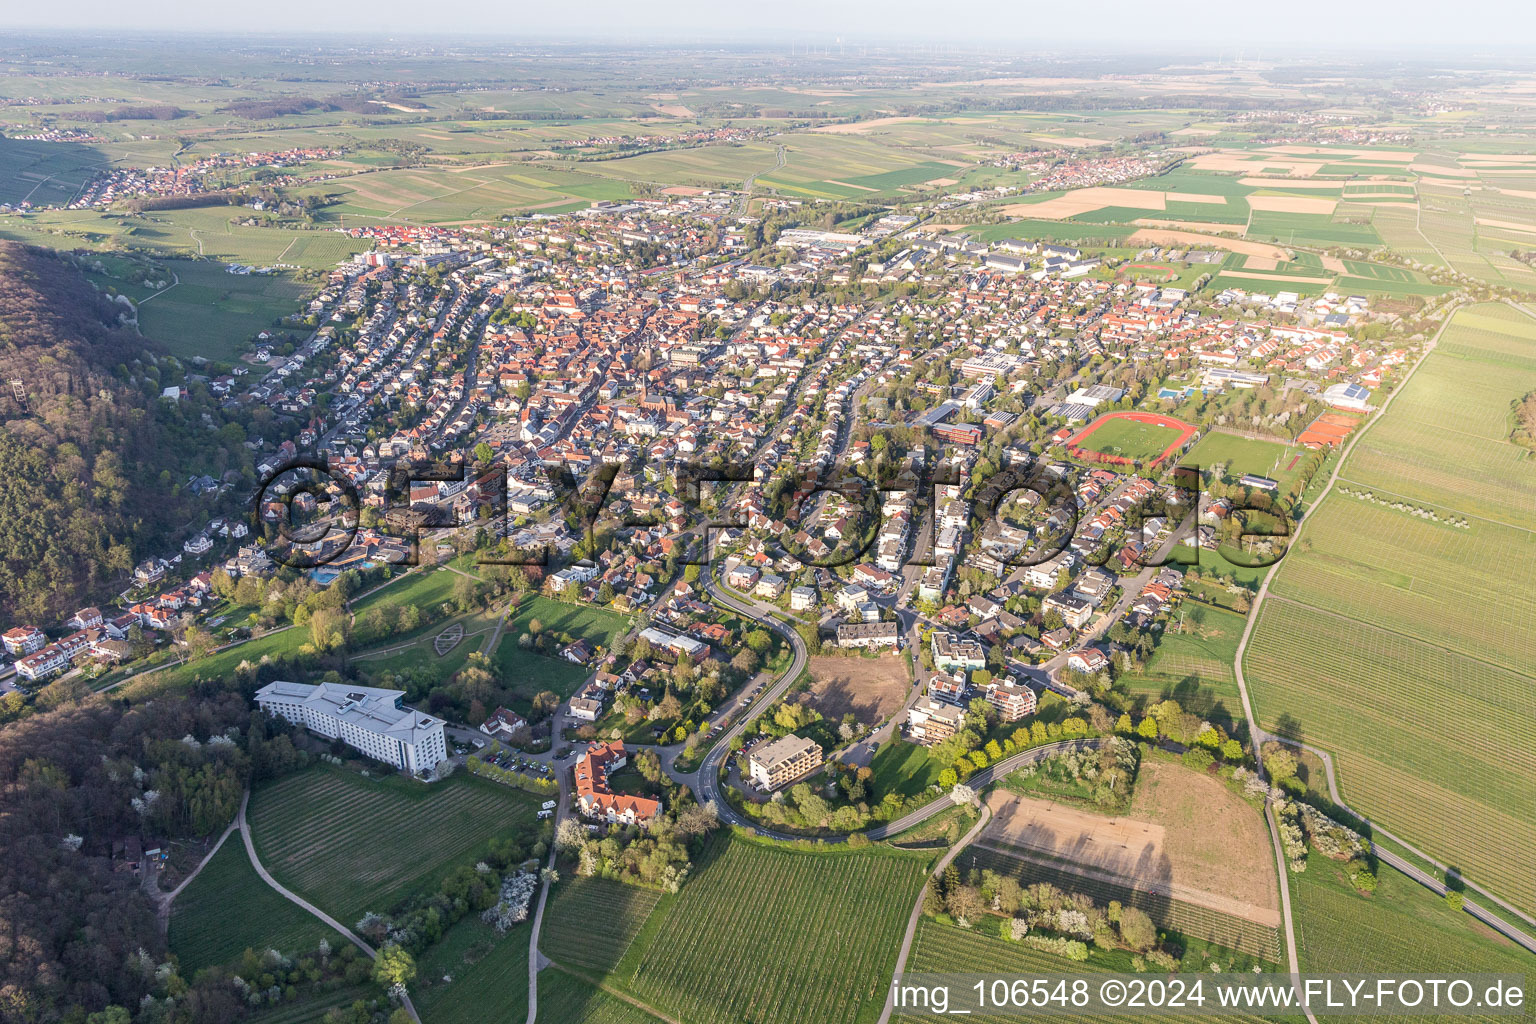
535, 958
1259, 736
917, 907
294, 898
706, 781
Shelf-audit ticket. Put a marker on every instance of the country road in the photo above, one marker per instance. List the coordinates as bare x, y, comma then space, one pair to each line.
1259, 736
294, 898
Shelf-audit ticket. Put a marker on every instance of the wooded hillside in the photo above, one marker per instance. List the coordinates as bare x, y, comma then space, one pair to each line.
87, 469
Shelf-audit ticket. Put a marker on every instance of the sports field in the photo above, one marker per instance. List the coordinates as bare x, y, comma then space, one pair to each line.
1127, 437
813, 936
1385, 628
351, 844
1238, 455
228, 909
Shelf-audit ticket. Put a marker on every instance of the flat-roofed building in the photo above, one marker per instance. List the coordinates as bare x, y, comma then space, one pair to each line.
929, 721
366, 718
782, 761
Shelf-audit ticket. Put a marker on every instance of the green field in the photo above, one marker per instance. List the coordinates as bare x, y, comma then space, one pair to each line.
905, 768
1241, 455
813, 936
528, 673
946, 949
1193, 662
471, 975
351, 844
213, 313
1400, 928
1140, 442
228, 909
313, 1007
590, 922
1384, 624
565, 999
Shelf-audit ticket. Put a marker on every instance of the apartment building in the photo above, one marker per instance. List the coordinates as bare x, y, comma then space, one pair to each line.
782, 761
372, 720
929, 721
1013, 700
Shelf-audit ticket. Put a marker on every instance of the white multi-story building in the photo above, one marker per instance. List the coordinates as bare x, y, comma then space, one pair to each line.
365, 718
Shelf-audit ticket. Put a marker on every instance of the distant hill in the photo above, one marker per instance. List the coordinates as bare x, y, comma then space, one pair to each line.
86, 465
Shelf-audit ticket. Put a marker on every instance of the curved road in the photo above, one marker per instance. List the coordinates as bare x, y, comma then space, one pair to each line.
1259, 736
917, 906
292, 897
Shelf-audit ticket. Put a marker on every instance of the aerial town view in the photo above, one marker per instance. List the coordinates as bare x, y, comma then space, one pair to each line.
701, 516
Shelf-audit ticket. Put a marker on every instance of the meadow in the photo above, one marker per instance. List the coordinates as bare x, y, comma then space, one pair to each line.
472, 974
529, 673
811, 936
1193, 663
352, 844
1401, 927
228, 909
212, 313
1384, 627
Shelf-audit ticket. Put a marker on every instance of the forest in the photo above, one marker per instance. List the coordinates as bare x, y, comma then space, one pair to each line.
91, 457
79, 937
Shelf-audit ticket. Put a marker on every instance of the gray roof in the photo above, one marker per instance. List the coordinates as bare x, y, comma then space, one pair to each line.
366, 707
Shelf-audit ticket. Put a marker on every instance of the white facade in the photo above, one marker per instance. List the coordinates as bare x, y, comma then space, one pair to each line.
364, 717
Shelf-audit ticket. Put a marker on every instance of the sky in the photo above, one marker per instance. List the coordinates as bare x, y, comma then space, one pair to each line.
1329, 26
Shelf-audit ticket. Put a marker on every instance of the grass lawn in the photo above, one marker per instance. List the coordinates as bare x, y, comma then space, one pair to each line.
529, 673
352, 844
814, 934
228, 909
213, 313
426, 589
221, 665
905, 768
1129, 439
473, 975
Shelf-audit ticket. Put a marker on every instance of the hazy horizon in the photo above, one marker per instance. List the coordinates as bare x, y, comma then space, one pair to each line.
1296, 28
